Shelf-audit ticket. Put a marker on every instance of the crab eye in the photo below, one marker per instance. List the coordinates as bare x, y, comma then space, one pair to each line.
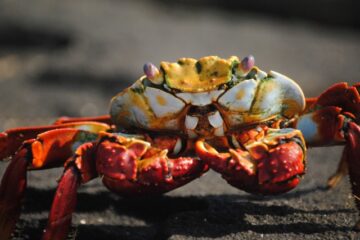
163, 103
245, 65
153, 74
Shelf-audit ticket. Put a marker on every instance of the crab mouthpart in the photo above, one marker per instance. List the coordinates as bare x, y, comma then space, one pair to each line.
204, 121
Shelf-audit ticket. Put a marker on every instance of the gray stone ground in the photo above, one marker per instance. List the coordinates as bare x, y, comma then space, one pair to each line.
69, 58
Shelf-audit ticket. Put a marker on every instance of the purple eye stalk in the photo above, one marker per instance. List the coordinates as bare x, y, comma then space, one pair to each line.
152, 73
150, 70
246, 65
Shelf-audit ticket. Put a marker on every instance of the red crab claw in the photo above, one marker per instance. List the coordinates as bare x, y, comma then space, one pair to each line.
133, 167
326, 121
341, 95
270, 165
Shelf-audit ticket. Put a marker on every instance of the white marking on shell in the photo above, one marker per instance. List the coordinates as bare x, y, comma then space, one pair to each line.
163, 103
178, 146
140, 116
308, 128
136, 115
235, 119
274, 93
261, 74
200, 99
291, 90
117, 104
240, 96
219, 131
269, 102
191, 122
215, 119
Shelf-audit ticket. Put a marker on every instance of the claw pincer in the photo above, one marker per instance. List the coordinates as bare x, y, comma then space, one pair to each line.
133, 167
272, 164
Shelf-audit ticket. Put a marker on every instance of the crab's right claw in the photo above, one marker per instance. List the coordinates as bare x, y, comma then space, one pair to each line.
133, 167
271, 165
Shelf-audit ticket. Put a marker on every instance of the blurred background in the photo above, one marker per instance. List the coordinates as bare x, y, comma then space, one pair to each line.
70, 57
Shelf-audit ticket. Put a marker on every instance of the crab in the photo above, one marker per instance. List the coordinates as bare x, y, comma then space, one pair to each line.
175, 123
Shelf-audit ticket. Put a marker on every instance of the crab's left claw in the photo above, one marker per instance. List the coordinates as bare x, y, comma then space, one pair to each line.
134, 167
270, 163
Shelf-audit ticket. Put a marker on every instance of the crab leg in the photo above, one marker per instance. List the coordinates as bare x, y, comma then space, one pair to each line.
342, 170
353, 158
11, 193
128, 165
63, 206
265, 160
79, 169
49, 149
12, 139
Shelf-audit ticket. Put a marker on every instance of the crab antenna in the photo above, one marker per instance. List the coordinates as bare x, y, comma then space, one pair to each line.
152, 73
247, 63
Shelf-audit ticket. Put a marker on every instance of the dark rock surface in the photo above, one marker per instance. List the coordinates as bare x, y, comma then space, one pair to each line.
69, 58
